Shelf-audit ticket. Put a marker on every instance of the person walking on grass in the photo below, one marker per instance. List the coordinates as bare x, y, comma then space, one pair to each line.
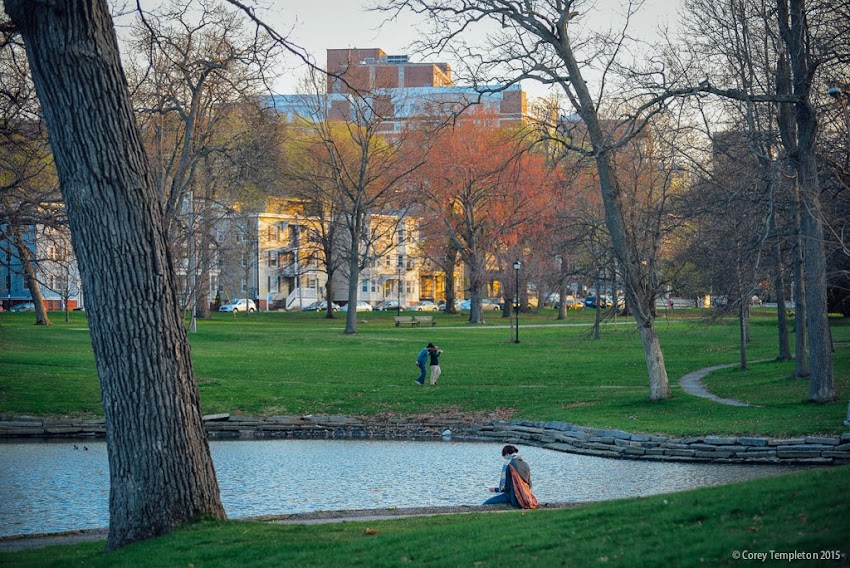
421, 361
434, 353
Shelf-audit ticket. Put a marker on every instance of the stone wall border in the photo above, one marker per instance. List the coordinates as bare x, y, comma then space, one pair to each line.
559, 436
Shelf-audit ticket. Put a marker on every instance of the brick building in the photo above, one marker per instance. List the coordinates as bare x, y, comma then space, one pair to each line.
399, 91
370, 69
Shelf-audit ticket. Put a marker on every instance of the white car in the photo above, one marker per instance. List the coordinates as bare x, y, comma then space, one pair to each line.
361, 307
242, 305
425, 306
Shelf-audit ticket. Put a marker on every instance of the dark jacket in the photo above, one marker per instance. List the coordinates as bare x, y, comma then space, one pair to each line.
524, 472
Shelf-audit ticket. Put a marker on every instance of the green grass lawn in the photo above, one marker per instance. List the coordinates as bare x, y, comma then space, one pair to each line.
269, 364
807, 512
299, 363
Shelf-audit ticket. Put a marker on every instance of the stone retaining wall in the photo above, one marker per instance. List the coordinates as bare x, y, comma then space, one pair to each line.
560, 436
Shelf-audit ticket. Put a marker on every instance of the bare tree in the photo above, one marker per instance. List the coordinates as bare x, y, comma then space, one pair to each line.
161, 472
29, 196
57, 267
475, 190
798, 52
540, 40
197, 72
358, 173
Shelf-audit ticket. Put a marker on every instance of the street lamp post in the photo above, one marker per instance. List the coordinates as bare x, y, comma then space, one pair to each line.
298, 263
517, 266
398, 291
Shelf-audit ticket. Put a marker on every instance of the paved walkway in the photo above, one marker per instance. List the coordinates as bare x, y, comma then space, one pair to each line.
692, 384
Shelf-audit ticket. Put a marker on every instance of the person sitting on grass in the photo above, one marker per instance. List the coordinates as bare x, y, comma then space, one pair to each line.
515, 483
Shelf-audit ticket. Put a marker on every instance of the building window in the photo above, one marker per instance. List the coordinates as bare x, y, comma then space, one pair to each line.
408, 287
364, 286
273, 258
56, 252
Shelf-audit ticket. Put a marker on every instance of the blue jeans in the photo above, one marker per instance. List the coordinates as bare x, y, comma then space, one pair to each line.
421, 379
499, 499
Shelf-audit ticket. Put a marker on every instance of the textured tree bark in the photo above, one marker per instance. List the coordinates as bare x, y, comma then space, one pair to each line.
801, 351
821, 383
161, 473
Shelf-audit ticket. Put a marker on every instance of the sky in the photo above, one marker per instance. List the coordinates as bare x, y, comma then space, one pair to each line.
317, 25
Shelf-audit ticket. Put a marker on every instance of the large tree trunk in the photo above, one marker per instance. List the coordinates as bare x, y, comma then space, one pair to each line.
451, 262
641, 298
476, 282
161, 473
743, 328
329, 305
794, 31
353, 277
562, 295
30, 279
821, 385
801, 352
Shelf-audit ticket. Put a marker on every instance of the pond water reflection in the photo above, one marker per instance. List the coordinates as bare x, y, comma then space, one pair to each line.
52, 487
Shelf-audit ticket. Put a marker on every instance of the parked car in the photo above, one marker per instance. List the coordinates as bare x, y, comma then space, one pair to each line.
571, 303
241, 305
425, 306
442, 305
486, 304
320, 307
25, 307
551, 300
604, 302
361, 307
388, 306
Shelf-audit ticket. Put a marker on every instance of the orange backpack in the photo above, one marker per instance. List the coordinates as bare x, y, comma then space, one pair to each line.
524, 496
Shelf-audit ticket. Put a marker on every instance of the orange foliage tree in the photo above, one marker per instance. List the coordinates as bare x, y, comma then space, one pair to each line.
479, 186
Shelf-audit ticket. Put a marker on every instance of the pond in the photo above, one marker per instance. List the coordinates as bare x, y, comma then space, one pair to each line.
53, 487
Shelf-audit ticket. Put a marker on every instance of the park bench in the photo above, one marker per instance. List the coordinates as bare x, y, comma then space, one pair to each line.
428, 320
405, 320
